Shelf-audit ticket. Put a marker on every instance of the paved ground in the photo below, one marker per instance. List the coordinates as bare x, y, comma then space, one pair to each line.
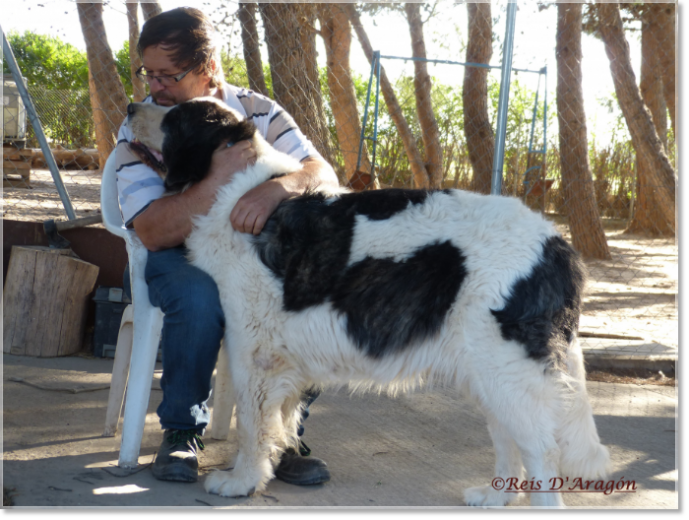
420, 450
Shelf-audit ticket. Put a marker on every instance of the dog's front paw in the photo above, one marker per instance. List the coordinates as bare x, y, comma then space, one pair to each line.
227, 484
488, 496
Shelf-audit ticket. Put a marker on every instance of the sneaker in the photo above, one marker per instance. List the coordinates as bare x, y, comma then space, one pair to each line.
176, 459
300, 469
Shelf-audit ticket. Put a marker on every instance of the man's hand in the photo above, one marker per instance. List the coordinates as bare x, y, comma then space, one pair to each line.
252, 211
228, 161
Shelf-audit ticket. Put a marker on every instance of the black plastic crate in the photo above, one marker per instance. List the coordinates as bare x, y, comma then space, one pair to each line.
110, 304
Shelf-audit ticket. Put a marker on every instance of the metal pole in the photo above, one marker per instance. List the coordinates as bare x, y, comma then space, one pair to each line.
363, 126
507, 48
375, 121
544, 169
33, 117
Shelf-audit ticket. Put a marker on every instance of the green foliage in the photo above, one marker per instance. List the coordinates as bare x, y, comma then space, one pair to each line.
57, 78
122, 62
49, 62
234, 68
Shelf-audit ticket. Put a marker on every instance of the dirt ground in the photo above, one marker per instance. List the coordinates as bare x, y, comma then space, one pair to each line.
416, 451
631, 295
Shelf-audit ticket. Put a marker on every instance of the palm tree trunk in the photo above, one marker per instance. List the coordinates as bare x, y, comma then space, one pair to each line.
585, 223
251, 44
337, 36
150, 9
477, 127
646, 217
664, 30
424, 106
416, 163
138, 87
291, 41
648, 146
109, 97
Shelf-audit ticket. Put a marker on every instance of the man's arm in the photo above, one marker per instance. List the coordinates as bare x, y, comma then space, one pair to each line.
167, 221
255, 207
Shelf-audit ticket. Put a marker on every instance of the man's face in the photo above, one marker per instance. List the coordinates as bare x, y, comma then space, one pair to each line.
157, 61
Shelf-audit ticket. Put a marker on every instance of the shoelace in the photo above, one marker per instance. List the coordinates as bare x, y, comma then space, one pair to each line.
304, 450
184, 436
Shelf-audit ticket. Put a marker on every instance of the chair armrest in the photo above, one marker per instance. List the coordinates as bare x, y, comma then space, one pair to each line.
109, 205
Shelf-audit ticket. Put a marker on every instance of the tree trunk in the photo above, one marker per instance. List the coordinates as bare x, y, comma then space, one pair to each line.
477, 127
416, 163
424, 106
646, 217
648, 146
138, 87
252, 52
291, 41
150, 9
666, 36
337, 36
585, 223
109, 97
100, 124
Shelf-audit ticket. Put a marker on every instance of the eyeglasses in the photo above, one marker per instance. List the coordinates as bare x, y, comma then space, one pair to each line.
164, 80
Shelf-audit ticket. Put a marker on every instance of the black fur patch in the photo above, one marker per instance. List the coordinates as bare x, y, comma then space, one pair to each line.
389, 305
193, 131
542, 312
306, 243
380, 204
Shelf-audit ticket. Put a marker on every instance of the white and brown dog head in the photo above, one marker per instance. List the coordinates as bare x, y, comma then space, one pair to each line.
178, 142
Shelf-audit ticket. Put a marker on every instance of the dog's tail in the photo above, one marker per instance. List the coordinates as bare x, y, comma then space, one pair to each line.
582, 454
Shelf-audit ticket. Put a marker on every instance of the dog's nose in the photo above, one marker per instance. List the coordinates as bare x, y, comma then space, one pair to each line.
131, 108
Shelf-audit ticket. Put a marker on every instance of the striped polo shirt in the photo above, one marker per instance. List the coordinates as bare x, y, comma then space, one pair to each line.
138, 185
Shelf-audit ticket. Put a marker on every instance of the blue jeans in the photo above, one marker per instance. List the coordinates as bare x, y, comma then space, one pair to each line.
193, 326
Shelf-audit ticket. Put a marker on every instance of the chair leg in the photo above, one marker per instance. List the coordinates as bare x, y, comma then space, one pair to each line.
223, 397
120, 372
147, 329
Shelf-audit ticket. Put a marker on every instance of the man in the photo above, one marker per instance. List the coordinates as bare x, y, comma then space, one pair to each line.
181, 62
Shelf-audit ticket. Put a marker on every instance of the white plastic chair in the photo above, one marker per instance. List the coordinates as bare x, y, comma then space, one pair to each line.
137, 344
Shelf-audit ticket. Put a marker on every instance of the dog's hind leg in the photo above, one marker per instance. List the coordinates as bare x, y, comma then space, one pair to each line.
525, 401
508, 470
261, 434
583, 455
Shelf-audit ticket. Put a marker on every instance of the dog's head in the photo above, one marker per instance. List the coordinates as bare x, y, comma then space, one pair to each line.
186, 135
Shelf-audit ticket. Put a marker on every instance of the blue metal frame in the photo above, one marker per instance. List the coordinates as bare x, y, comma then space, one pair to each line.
503, 101
543, 150
496, 179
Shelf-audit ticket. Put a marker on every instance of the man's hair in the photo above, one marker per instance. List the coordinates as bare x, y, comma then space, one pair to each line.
190, 37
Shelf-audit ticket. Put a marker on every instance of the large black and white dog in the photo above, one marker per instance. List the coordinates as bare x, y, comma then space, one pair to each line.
387, 290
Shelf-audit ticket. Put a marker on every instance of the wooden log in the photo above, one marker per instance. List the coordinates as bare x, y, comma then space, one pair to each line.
45, 301
81, 158
10, 166
10, 153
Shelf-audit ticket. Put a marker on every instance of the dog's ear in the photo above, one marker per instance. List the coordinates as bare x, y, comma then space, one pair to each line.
193, 131
190, 139
241, 131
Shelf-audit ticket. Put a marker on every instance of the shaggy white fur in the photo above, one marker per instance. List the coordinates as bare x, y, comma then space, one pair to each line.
275, 354
538, 412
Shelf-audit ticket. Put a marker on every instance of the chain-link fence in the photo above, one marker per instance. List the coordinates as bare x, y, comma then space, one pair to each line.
611, 194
